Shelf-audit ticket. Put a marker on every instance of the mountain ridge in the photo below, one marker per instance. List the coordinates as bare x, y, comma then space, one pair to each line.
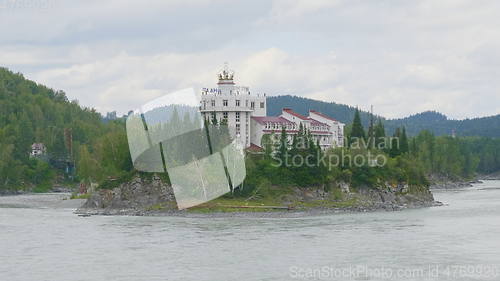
434, 121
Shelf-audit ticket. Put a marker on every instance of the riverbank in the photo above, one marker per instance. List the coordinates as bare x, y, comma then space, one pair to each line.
438, 182
41, 201
56, 188
453, 184
152, 197
494, 176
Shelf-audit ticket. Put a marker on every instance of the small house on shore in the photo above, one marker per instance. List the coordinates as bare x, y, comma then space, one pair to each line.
38, 149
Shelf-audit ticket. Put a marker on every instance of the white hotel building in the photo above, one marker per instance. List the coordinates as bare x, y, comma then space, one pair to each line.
245, 114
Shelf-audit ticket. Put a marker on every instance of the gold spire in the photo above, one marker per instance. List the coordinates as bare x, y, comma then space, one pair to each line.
226, 73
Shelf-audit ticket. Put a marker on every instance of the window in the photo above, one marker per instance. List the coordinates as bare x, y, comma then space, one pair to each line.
237, 117
224, 102
213, 116
224, 115
237, 102
252, 105
261, 105
237, 129
213, 102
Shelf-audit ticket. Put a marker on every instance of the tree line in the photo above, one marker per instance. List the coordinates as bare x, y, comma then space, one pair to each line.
32, 113
390, 159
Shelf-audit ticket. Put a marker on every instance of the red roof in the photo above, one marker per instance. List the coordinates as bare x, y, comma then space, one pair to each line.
254, 147
290, 111
321, 133
279, 130
315, 122
322, 115
274, 119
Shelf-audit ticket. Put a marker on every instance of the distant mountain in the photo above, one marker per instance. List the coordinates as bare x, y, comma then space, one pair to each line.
341, 112
433, 121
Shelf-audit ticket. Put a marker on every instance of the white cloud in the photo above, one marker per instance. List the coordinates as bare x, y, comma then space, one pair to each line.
401, 56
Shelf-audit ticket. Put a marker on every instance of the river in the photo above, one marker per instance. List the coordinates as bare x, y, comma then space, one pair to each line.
41, 239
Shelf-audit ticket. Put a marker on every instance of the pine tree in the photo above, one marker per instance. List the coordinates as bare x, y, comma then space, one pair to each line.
394, 149
283, 146
267, 144
371, 131
403, 142
357, 131
379, 134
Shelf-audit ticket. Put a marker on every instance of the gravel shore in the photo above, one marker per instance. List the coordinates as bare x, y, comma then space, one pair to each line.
257, 214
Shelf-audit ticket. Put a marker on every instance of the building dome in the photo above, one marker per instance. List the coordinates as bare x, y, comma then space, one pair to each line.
226, 76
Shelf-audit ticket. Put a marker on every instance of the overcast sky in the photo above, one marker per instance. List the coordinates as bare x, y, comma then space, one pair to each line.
403, 57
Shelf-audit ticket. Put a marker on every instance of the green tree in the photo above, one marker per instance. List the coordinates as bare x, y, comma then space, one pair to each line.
283, 146
357, 131
88, 167
379, 134
403, 142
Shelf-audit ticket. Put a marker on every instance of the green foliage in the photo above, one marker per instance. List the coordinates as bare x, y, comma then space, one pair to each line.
357, 131
34, 113
79, 196
407, 161
379, 134
454, 157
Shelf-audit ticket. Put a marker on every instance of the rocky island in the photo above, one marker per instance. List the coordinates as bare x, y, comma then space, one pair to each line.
152, 196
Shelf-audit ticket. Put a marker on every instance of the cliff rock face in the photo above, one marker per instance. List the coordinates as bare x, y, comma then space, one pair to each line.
395, 200
142, 196
138, 194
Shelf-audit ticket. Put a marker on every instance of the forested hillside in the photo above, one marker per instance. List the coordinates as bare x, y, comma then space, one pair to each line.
32, 113
434, 122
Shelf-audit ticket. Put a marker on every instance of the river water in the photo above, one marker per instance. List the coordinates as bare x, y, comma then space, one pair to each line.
41, 239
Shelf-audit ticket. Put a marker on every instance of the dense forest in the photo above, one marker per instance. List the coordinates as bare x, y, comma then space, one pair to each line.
431, 121
32, 113
410, 160
98, 148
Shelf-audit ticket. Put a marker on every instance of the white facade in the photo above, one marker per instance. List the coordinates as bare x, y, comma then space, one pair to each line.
326, 130
38, 149
246, 118
232, 103
336, 127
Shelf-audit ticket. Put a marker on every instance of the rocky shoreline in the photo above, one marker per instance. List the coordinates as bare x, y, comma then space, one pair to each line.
439, 182
264, 214
495, 176
141, 197
453, 184
9, 193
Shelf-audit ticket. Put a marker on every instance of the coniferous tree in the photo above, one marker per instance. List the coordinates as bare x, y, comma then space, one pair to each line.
267, 144
357, 131
379, 134
395, 149
371, 131
403, 142
283, 146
